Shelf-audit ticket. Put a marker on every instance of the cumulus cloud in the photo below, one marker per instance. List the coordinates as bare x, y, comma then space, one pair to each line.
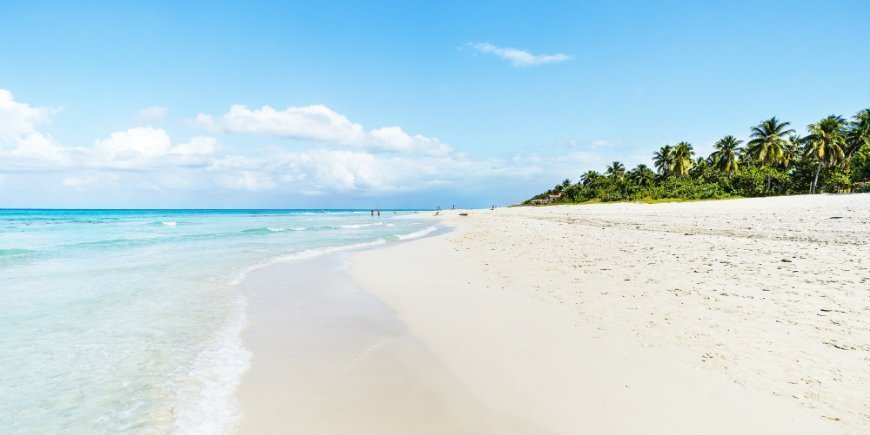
146, 159
133, 147
323, 170
517, 57
19, 120
246, 180
146, 146
197, 146
24, 147
19, 137
321, 124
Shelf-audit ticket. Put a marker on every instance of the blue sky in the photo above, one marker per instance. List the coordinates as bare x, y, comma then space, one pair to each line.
397, 104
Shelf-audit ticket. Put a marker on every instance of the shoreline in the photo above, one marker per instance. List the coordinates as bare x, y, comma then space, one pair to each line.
540, 334
330, 358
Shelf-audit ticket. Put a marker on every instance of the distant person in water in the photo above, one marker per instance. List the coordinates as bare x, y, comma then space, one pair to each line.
373, 212
379, 212
454, 207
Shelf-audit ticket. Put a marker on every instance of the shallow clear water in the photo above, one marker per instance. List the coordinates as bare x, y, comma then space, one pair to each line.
129, 321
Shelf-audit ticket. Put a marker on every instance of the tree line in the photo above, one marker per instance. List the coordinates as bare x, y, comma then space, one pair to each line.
833, 156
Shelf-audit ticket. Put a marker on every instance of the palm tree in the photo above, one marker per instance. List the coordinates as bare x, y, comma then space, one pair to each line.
663, 160
825, 143
641, 175
767, 143
791, 150
588, 177
699, 167
682, 157
616, 170
565, 183
744, 158
858, 133
727, 154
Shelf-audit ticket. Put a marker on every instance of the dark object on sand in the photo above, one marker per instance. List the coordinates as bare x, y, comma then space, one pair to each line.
463, 214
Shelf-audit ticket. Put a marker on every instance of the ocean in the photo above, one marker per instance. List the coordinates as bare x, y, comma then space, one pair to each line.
129, 320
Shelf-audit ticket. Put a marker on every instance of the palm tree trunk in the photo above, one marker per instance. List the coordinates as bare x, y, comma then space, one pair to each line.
816, 180
768, 180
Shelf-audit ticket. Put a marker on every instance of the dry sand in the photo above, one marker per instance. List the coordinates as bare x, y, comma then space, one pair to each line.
742, 316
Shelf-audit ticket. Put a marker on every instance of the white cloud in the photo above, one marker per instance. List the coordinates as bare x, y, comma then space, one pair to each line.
135, 146
140, 160
394, 138
35, 147
89, 180
198, 146
19, 138
338, 170
517, 57
313, 171
322, 124
24, 147
19, 120
321, 171
151, 115
246, 180
143, 147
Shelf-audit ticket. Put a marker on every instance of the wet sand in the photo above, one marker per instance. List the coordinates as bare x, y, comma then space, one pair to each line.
329, 358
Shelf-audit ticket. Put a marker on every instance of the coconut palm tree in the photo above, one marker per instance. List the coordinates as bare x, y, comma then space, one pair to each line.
663, 160
682, 157
727, 154
641, 175
858, 133
791, 150
825, 144
589, 176
565, 183
744, 158
767, 143
615, 171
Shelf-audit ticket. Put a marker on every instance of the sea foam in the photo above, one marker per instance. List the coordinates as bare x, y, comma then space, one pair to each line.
209, 405
416, 234
135, 316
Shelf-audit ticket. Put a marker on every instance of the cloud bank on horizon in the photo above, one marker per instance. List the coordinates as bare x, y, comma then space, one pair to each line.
319, 153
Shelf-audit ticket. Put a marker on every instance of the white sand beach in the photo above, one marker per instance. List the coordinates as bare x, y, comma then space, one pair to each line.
330, 358
739, 316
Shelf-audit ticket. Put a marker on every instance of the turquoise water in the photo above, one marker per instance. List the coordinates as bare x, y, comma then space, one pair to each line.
128, 321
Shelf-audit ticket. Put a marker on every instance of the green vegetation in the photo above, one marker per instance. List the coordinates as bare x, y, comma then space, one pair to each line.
834, 156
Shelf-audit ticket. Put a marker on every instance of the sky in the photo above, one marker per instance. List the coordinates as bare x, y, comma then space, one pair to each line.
394, 104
